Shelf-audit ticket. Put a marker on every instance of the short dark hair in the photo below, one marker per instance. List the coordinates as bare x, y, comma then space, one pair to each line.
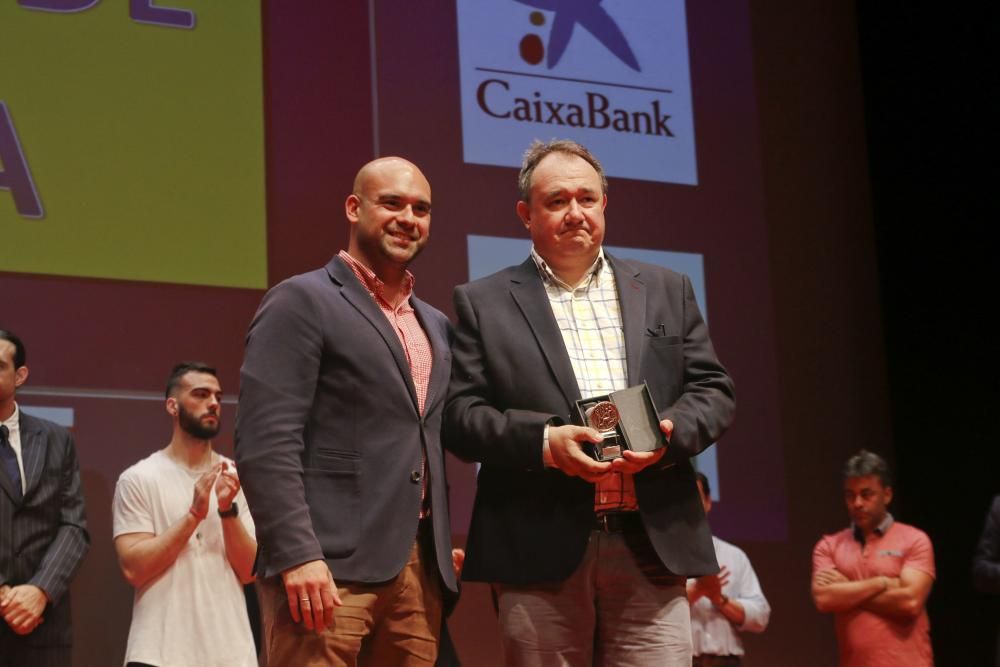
539, 149
703, 480
866, 463
182, 369
20, 354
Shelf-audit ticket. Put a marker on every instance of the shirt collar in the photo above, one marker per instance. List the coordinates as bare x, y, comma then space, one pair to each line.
373, 283
13, 423
881, 529
592, 274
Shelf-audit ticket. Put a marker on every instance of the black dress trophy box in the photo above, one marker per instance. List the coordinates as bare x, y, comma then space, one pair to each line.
636, 423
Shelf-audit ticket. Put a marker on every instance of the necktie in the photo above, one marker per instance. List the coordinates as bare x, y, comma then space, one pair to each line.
9, 460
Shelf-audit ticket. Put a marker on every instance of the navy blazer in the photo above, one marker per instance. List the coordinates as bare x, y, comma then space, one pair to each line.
43, 537
329, 438
511, 376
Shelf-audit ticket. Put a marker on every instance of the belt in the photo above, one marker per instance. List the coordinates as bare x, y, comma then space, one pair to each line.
717, 660
619, 522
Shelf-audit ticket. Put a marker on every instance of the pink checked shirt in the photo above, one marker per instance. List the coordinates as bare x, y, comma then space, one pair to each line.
404, 322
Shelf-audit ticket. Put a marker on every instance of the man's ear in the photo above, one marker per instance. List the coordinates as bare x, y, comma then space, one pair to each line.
524, 212
20, 376
171, 406
351, 207
888, 494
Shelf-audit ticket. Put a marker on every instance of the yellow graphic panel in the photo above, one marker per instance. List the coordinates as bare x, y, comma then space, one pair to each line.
131, 140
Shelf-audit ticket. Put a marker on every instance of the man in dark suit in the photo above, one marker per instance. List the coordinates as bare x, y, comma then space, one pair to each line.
43, 527
587, 558
338, 443
986, 561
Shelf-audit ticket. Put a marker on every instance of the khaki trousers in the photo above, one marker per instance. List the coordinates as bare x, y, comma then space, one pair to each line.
621, 608
394, 623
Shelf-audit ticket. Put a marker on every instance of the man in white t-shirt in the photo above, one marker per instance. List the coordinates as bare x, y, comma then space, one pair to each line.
185, 539
726, 604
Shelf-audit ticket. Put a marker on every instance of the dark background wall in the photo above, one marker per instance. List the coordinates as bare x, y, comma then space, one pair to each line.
931, 104
824, 280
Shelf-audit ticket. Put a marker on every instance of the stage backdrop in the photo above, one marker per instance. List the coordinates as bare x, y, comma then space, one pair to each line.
160, 166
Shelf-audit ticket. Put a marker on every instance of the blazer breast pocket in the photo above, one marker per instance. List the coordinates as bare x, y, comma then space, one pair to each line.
663, 368
666, 350
664, 341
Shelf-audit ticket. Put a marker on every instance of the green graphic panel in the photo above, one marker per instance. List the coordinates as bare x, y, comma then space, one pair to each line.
144, 142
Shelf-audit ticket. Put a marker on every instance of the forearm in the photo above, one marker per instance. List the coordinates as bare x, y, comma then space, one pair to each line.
241, 548
480, 433
71, 541
269, 463
756, 614
903, 602
275, 489
986, 575
700, 416
706, 405
61, 561
843, 596
143, 558
732, 609
986, 561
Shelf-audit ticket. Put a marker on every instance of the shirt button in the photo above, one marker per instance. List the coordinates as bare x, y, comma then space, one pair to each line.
416, 476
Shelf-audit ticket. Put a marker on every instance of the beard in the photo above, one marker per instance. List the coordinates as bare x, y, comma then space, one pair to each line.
194, 426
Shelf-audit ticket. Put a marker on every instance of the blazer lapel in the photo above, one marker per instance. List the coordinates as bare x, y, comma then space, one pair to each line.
358, 296
32, 453
632, 298
529, 294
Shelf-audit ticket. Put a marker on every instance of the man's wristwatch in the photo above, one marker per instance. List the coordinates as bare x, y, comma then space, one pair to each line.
234, 510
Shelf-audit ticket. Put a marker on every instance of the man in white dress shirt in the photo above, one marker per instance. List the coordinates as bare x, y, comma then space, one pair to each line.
724, 604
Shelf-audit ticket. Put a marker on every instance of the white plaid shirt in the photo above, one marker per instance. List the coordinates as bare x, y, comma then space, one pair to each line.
589, 318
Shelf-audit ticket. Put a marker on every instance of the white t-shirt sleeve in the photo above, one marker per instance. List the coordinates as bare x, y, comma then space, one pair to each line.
130, 507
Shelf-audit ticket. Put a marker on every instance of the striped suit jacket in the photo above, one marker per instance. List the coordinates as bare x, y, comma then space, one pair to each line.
43, 538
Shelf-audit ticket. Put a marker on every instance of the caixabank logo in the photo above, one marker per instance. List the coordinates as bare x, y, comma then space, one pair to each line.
612, 74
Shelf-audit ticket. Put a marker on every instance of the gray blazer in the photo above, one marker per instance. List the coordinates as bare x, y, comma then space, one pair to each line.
43, 538
328, 433
512, 375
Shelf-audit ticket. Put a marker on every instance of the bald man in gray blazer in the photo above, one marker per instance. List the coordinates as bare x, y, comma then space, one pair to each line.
338, 442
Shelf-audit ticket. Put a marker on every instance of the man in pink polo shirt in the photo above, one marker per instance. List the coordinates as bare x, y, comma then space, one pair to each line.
875, 576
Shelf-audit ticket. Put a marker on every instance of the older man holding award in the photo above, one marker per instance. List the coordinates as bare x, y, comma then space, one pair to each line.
584, 383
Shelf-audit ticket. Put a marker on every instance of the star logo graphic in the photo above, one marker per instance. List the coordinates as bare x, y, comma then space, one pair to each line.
568, 13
